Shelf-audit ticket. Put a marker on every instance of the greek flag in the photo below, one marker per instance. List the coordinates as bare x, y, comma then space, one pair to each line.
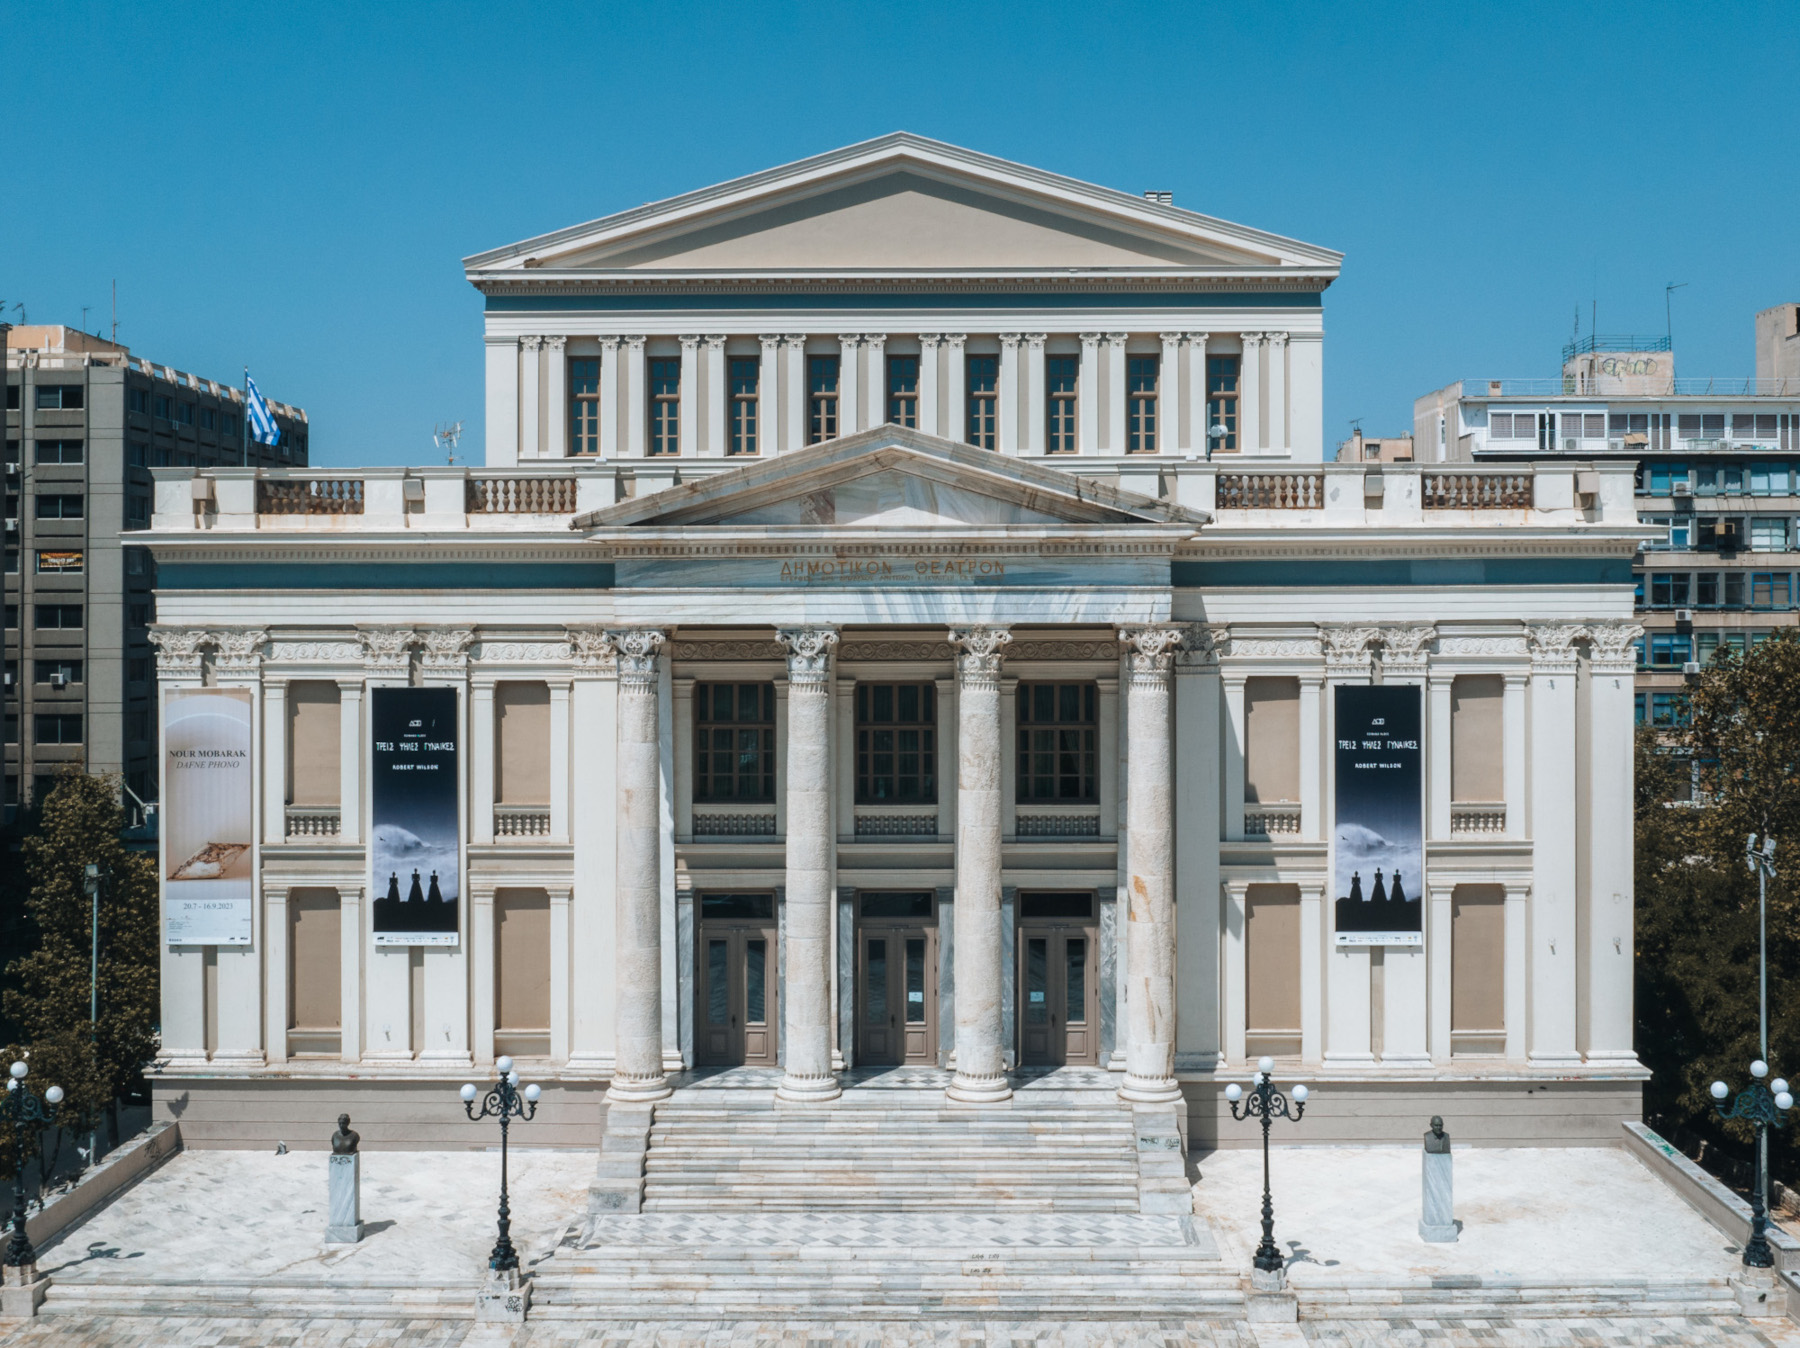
263, 429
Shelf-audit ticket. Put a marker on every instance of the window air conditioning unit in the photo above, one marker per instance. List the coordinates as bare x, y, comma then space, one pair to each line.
1571, 445
9, 678
1690, 667
412, 489
12, 526
1681, 489
12, 468
59, 680
1684, 615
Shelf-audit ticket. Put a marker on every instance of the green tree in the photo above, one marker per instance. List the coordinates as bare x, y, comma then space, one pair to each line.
1728, 772
95, 1062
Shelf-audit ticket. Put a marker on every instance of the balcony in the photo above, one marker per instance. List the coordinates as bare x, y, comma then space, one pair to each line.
1277, 819
1487, 817
521, 821
313, 823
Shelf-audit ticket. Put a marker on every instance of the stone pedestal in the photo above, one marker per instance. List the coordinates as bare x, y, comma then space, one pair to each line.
1269, 1302
344, 1214
1438, 1224
1755, 1290
503, 1299
22, 1291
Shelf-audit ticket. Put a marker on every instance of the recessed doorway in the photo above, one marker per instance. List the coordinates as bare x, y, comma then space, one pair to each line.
736, 985
896, 978
1059, 938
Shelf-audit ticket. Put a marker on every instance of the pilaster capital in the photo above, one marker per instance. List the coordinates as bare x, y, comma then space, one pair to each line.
555, 344
1090, 339
177, 650
928, 341
796, 341
690, 342
769, 339
530, 343
446, 648
1347, 646
1009, 341
1117, 340
386, 648
979, 651
610, 344
634, 654
849, 340
1170, 338
1150, 652
1198, 340
592, 647
1201, 647
240, 648
715, 341
875, 340
955, 339
1404, 647
1275, 338
1553, 646
1250, 339
1036, 340
635, 343
1614, 650
808, 654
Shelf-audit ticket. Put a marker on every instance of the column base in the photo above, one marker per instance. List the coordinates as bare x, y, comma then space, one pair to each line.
1554, 1061
965, 1089
1406, 1061
1345, 1060
1149, 1090
636, 1090
808, 1089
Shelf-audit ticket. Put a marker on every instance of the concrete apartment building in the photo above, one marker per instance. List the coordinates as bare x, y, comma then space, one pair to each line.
1360, 448
85, 422
1718, 471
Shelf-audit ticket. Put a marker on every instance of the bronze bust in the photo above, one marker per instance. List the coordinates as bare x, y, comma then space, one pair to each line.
1437, 1141
344, 1140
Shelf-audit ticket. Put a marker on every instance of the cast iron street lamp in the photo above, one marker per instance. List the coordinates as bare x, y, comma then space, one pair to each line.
1268, 1104
24, 1117
506, 1102
1765, 1107
1762, 865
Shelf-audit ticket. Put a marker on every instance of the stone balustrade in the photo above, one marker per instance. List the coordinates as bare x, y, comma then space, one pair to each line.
1260, 821
307, 823
1478, 817
521, 821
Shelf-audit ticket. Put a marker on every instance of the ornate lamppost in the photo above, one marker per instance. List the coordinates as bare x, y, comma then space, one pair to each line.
1268, 1104
506, 1102
1764, 1107
25, 1117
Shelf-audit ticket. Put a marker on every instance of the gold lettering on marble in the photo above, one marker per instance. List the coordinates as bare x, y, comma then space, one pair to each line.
850, 569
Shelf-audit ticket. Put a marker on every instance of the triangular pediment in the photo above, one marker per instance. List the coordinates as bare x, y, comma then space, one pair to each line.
902, 204
890, 478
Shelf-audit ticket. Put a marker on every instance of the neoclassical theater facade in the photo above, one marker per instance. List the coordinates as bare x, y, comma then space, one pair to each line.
904, 623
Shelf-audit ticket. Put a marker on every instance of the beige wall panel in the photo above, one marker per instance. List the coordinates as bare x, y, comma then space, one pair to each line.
522, 743
1476, 741
1272, 968
522, 960
1272, 732
313, 744
1478, 958
315, 960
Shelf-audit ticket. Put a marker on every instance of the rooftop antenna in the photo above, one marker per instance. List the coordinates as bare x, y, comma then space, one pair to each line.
84, 314
115, 311
445, 437
1669, 321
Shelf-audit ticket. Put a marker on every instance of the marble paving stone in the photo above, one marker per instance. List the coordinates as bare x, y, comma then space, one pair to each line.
932, 1232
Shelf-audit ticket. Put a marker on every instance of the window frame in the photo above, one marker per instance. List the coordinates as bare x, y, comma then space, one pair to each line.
1048, 742
663, 425
981, 401
744, 415
1224, 386
584, 406
902, 398
1141, 403
1062, 405
708, 728
824, 383
869, 727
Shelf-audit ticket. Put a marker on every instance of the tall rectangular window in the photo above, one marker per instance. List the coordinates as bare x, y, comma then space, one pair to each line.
584, 407
734, 741
984, 401
896, 743
1062, 374
821, 399
1222, 402
744, 374
1058, 729
903, 391
1140, 409
665, 405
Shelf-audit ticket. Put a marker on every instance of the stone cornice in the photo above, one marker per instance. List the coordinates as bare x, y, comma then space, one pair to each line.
1186, 280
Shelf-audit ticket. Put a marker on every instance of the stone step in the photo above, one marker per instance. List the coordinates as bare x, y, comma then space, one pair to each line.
713, 1201
1498, 1297
835, 1167
246, 1298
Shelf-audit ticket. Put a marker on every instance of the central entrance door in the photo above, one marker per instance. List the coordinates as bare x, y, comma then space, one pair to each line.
735, 986
1059, 1023
896, 978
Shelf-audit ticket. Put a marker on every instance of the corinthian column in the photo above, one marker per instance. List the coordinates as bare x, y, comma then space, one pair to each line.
638, 1071
806, 1017
1150, 914
980, 1050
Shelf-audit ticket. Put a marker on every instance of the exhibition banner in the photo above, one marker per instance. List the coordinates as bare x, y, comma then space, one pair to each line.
1378, 842
208, 817
415, 835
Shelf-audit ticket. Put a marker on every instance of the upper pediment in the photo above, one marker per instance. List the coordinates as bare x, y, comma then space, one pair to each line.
901, 204
890, 478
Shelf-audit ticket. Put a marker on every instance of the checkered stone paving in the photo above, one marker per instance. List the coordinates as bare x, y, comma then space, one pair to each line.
929, 1233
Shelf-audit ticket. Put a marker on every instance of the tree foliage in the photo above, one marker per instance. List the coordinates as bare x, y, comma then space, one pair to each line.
1727, 773
47, 999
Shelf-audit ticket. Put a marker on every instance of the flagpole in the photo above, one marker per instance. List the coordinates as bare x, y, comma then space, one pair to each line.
244, 430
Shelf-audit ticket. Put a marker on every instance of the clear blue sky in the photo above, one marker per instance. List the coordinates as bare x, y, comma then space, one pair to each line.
293, 186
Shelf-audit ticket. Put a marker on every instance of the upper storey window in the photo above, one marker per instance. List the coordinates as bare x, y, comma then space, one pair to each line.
746, 372
896, 743
1140, 411
984, 402
584, 407
903, 390
821, 399
665, 405
1062, 374
1222, 402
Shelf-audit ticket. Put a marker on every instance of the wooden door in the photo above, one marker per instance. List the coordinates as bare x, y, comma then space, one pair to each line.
735, 989
896, 978
1058, 1020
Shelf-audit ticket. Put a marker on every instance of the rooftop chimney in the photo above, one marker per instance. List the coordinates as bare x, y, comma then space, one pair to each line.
1160, 198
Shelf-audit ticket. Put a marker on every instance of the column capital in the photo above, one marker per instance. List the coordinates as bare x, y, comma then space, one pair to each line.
690, 341
387, 648
808, 654
849, 339
530, 343
1404, 647
1275, 338
240, 648
1118, 339
715, 341
1347, 646
930, 340
979, 653
591, 647
1170, 338
1613, 650
634, 654
874, 339
796, 339
635, 341
1036, 340
1150, 651
610, 343
1009, 340
955, 338
446, 648
1201, 647
1553, 646
1091, 338
556, 342
769, 338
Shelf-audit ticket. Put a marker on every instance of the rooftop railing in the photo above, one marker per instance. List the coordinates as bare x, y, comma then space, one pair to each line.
1633, 386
